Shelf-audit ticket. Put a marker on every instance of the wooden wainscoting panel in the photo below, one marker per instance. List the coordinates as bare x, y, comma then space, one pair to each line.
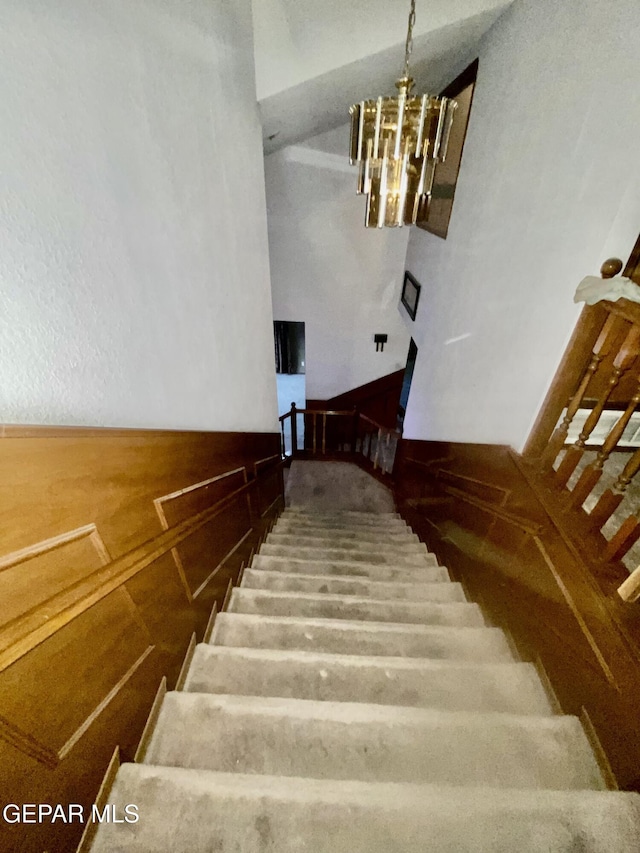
379, 399
32, 576
166, 611
270, 485
183, 503
97, 652
94, 610
203, 552
62, 479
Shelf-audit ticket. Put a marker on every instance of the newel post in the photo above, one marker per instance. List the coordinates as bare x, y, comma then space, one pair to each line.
294, 430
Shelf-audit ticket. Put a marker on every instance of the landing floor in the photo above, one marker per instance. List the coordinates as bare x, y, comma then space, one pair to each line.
328, 486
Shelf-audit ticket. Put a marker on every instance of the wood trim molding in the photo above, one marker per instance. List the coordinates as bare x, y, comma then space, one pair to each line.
186, 663
23, 634
158, 502
91, 827
152, 719
75, 737
90, 531
229, 553
208, 632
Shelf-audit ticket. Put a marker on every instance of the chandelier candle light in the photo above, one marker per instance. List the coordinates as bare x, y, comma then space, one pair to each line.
396, 143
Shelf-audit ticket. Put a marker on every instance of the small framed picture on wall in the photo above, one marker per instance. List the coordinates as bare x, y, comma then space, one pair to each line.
410, 295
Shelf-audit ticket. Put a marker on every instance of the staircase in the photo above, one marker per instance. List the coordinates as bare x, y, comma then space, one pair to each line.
351, 700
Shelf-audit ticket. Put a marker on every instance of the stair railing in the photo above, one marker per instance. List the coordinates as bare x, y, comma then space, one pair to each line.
605, 387
338, 434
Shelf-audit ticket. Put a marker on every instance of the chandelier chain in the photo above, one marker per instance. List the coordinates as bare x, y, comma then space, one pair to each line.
409, 43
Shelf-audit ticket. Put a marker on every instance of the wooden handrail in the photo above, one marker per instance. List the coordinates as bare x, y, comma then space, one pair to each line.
359, 442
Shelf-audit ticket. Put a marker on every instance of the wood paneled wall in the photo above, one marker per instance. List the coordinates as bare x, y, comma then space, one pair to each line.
480, 508
114, 546
378, 400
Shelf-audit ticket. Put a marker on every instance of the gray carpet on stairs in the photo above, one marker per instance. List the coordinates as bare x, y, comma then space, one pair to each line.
351, 700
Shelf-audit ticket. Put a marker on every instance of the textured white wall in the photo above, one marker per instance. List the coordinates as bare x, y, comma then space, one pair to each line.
548, 189
134, 280
342, 279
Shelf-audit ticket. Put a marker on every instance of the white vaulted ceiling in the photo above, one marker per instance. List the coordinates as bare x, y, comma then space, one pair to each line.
314, 58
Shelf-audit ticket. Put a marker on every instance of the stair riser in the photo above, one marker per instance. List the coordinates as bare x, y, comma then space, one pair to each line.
334, 554
473, 644
302, 541
281, 582
374, 745
510, 687
321, 607
431, 573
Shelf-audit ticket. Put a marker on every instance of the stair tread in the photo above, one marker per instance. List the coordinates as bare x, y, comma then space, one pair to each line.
424, 682
405, 558
246, 600
232, 811
355, 567
367, 660
359, 637
352, 585
347, 578
340, 740
303, 541
367, 534
262, 579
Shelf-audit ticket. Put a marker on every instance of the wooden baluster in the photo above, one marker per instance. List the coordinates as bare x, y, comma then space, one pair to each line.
283, 445
378, 446
294, 430
592, 473
630, 589
354, 435
629, 531
324, 433
599, 351
315, 431
611, 499
624, 359
610, 268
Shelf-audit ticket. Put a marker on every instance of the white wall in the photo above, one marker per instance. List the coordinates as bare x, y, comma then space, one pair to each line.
134, 281
548, 189
327, 270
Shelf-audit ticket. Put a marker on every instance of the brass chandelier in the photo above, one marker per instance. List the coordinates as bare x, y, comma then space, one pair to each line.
396, 143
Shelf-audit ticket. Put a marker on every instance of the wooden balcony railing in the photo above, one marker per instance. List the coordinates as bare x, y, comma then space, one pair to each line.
320, 433
593, 470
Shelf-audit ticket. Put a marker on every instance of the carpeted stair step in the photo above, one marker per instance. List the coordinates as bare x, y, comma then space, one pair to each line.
228, 812
366, 520
341, 740
429, 573
370, 555
346, 585
413, 682
340, 513
341, 636
324, 606
303, 541
364, 534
